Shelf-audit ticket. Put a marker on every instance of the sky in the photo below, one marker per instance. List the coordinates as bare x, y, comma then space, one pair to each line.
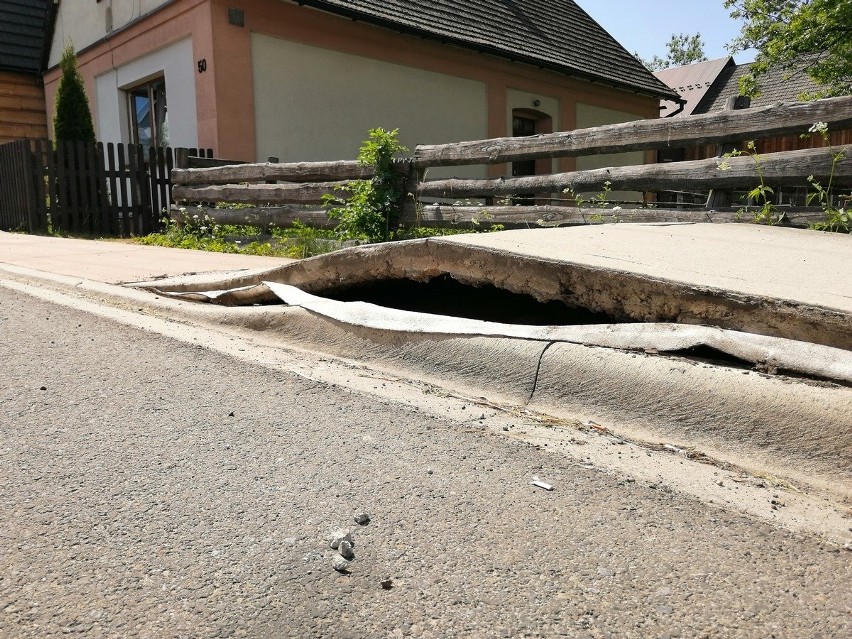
645, 26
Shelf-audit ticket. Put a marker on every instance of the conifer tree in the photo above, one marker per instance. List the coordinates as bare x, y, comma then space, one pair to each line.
73, 119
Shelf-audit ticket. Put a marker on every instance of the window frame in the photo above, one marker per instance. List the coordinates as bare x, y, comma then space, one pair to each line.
155, 92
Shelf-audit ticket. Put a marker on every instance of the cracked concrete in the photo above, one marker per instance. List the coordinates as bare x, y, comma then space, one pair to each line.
733, 289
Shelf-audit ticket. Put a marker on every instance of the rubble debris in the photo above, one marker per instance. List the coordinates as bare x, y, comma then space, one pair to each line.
341, 535
346, 551
340, 564
537, 482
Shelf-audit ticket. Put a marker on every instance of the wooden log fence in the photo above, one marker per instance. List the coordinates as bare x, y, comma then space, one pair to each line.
304, 184
736, 172
640, 135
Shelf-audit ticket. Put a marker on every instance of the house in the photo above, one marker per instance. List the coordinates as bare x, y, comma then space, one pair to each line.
24, 29
305, 80
712, 86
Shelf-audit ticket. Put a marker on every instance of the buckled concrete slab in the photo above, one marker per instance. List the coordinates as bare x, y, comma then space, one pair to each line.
763, 280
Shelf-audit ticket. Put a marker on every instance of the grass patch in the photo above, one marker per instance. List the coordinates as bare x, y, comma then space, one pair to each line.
200, 232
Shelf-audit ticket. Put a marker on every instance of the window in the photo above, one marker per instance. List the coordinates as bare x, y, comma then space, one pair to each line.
148, 114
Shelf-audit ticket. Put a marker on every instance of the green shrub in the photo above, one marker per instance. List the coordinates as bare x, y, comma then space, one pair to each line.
367, 213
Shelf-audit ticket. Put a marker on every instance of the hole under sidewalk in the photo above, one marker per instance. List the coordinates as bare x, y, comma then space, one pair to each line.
443, 295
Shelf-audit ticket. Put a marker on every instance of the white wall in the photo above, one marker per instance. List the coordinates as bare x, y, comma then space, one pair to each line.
175, 62
84, 22
314, 104
589, 116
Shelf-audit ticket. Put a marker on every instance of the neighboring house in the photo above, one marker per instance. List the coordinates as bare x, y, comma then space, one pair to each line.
306, 79
714, 86
24, 25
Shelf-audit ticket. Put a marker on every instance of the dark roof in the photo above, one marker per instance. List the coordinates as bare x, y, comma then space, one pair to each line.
23, 30
777, 85
692, 82
553, 34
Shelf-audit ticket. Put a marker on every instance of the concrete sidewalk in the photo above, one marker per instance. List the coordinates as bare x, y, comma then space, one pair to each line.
787, 264
790, 264
118, 262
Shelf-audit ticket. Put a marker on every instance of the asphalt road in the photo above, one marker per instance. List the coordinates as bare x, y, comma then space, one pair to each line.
150, 488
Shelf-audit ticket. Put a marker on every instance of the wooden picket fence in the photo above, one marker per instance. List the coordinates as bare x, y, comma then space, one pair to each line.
282, 193
87, 189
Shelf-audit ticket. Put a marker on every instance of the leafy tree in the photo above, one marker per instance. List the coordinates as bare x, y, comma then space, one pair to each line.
682, 49
812, 36
73, 119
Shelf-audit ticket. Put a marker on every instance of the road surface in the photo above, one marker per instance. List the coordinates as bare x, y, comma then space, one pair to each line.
155, 488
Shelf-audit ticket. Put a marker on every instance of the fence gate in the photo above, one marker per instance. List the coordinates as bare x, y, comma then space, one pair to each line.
83, 188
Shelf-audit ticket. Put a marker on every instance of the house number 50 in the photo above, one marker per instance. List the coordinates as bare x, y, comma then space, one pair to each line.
202, 65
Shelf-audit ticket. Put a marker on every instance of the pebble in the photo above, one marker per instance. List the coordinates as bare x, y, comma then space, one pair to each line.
340, 564
345, 550
362, 519
339, 536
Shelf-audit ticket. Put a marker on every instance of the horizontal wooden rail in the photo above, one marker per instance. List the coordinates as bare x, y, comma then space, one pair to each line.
789, 167
309, 193
536, 216
263, 217
287, 172
484, 216
712, 128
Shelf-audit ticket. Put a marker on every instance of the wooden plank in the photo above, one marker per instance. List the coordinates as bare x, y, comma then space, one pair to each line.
263, 217
52, 181
543, 216
93, 187
160, 184
201, 162
124, 188
63, 187
40, 182
170, 164
142, 221
112, 189
789, 168
75, 170
150, 213
28, 188
713, 128
288, 172
258, 194
103, 218
131, 194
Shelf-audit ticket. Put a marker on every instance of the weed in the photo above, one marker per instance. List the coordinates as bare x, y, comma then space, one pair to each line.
366, 213
837, 219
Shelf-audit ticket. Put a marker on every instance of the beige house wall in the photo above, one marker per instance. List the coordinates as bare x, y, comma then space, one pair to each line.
313, 104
